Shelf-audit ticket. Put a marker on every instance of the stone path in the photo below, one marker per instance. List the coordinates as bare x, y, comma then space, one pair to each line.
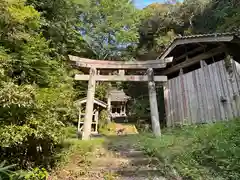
117, 158
122, 160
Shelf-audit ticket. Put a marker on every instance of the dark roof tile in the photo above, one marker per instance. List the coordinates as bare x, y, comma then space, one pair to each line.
196, 36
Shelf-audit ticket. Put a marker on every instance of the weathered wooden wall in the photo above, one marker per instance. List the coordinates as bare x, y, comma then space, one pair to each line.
208, 94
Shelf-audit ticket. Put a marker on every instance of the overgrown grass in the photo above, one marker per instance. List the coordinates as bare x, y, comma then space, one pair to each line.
198, 152
74, 146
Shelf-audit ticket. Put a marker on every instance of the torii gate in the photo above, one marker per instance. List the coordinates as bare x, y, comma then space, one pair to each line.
93, 76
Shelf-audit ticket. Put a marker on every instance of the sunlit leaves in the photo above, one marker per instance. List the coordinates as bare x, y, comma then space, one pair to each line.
21, 14
110, 26
14, 95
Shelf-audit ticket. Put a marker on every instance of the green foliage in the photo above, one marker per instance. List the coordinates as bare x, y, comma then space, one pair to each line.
35, 174
60, 19
74, 146
199, 152
70, 132
36, 93
103, 120
157, 27
101, 90
5, 171
109, 26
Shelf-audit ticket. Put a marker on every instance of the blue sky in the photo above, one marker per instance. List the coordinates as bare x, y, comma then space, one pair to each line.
143, 3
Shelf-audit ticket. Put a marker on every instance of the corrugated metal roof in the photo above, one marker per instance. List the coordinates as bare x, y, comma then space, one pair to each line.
194, 37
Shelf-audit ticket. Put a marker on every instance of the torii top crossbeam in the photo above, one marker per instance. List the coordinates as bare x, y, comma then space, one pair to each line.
102, 64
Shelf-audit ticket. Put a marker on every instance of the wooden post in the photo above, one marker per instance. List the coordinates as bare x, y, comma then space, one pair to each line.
89, 105
109, 107
166, 103
96, 120
153, 103
121, 72
98, 73
79, 118
238, 103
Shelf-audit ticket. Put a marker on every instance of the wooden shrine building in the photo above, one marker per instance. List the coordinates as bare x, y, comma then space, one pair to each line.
118, 102
203, 79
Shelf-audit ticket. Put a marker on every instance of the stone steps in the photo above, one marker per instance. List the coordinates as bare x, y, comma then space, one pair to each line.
142, 178
139, 161
128, 174
141, 173
131, 153
125, 163
122, 169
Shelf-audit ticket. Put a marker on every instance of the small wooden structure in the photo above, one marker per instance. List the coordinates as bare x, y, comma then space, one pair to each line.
95, 117
203, 79
118, 101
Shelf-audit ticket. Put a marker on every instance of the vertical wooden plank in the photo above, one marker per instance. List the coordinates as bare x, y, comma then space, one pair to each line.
198, 87
180, 105
169, 117
184, 98
176, 101
189, 84
237, 68
176, 119
235, 90
237, 74
186, 101
166, 102
196, 102
180, 96
209, 96
214, 93
203, 96
171, 102
192, 98
219, 89
237, 95
204, 93
225, 94
229, 79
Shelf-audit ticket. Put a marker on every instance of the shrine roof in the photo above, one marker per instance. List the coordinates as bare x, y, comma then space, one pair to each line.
96, 101
118, 96
187, 51
197, 39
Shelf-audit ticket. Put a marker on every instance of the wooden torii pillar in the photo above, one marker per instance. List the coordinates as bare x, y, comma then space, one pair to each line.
93, 76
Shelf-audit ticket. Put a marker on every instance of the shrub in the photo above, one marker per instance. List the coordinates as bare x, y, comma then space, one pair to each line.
34, 174
5, 171
199, 152
103, 119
